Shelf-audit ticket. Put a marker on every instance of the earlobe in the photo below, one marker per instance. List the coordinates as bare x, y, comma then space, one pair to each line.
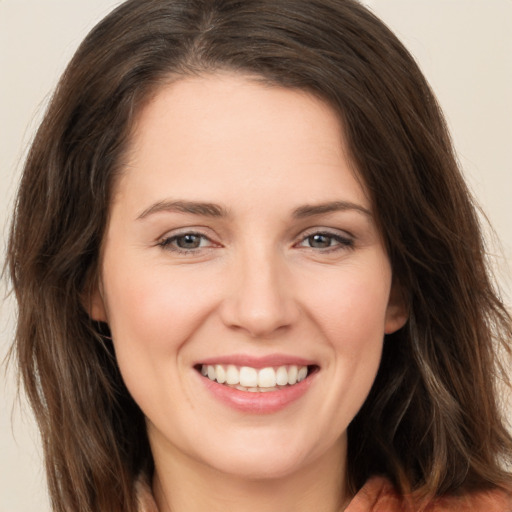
96, 309
397, 311
94, 304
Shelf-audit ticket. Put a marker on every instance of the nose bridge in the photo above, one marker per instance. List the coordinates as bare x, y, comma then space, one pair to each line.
260, 299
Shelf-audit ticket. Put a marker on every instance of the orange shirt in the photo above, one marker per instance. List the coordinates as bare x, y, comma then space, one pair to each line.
379, 495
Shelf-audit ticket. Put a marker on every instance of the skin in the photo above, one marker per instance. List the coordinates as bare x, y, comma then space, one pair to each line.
257, 284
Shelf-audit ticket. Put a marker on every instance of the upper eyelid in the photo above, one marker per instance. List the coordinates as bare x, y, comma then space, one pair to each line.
185, 233
305, 233
168, 243
187, 230
343, 239
327, 231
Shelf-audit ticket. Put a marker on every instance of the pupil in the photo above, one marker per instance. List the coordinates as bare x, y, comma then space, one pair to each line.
320, 241
188, 241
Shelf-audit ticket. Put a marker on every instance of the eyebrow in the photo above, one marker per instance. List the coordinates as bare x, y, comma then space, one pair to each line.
215, 210
193, 207
330, 207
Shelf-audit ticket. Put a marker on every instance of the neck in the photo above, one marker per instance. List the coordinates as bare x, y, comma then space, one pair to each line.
188, 486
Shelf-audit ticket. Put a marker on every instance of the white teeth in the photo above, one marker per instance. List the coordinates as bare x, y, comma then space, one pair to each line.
267, 378
248, 377
232, 375
251, 379
220, 374
282, 376
292, 375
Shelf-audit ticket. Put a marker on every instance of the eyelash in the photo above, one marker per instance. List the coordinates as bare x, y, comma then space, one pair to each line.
169, 243
342, 242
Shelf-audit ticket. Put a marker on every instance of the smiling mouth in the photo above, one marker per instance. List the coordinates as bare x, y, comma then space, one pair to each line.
256, 380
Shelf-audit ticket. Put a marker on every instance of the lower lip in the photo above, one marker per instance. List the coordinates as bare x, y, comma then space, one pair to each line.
258, 402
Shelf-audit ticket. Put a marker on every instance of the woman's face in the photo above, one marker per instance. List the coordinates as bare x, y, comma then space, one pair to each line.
241, 246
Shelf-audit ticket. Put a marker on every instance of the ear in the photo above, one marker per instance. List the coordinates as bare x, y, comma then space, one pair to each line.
93, 302
397, 311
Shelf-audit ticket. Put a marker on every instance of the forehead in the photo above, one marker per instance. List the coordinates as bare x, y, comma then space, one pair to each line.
208, 134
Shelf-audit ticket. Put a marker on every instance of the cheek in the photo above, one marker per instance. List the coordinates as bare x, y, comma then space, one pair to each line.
153, 303
351, 310
351, 314
151, 316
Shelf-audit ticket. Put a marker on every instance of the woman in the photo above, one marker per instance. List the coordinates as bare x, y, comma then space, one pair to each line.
250, 275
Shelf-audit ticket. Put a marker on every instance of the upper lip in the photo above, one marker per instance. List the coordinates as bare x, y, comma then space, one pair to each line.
258, 361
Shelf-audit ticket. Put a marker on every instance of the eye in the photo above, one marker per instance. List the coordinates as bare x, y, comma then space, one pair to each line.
326, 241
185, 242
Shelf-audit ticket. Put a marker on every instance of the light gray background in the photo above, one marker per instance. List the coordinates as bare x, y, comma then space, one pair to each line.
463, 46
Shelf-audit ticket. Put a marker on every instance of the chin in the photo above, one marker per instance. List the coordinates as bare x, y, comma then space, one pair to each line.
265, 457
262, 468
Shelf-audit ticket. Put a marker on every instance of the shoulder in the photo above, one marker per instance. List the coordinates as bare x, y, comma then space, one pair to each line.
379, 495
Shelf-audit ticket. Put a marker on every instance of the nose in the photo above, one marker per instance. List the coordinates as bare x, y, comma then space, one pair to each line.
259, 297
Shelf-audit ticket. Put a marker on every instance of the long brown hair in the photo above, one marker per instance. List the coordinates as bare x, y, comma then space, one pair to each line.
432, 421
